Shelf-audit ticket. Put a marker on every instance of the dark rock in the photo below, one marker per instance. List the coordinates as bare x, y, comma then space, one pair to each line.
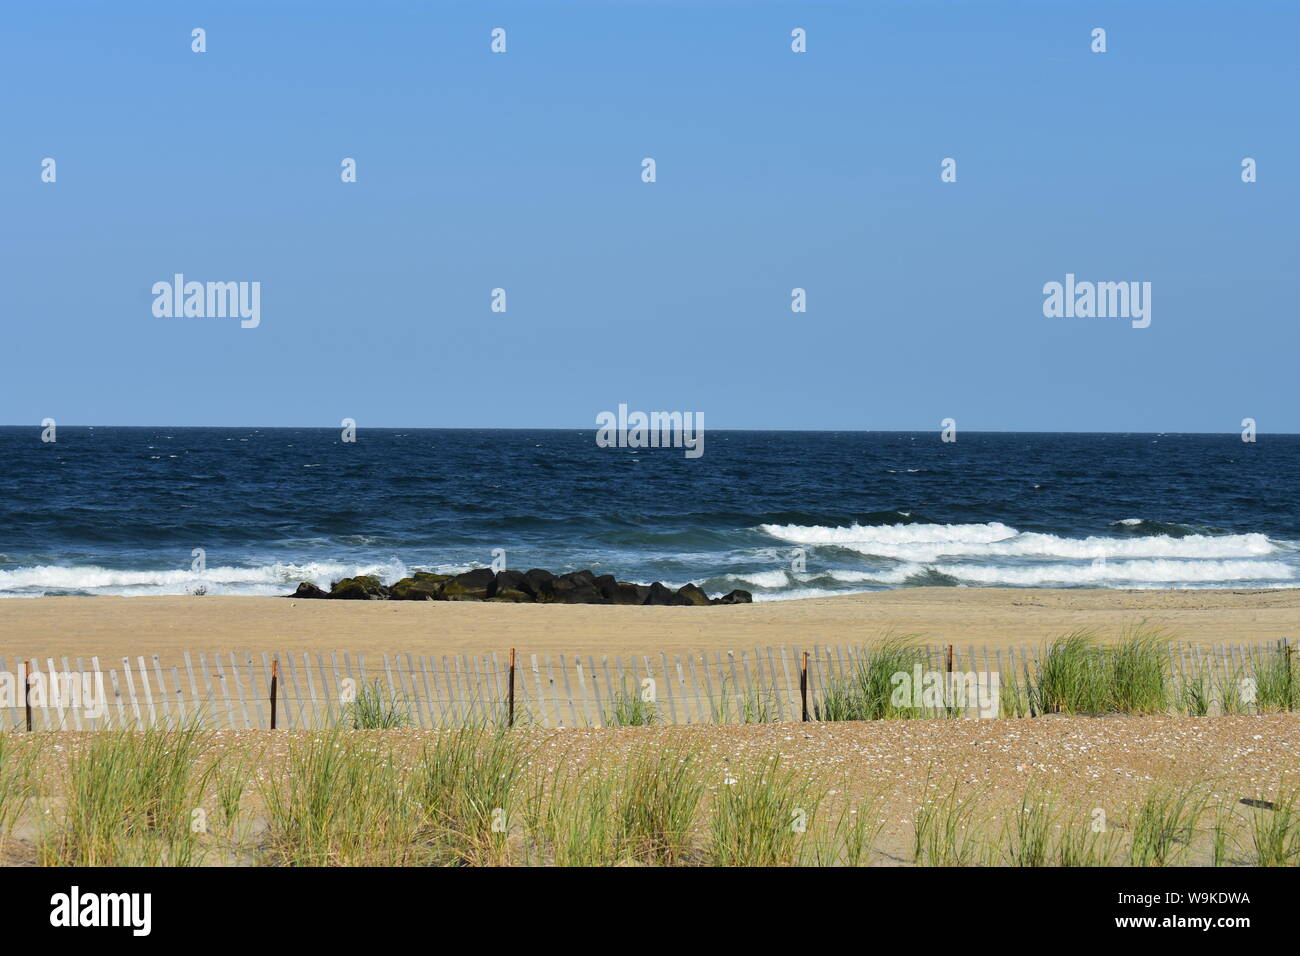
477, 585
541, 583
658, 595
363, 587
734, 597
627, 593
536, 584
691, 595
580, 594
308, 590
575, 579
513, 581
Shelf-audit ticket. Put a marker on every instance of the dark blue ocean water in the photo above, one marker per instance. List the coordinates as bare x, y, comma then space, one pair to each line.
783, 514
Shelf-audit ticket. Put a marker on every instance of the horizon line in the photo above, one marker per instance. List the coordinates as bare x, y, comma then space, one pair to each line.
988, 429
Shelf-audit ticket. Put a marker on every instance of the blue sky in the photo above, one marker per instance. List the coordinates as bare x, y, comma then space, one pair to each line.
775, 170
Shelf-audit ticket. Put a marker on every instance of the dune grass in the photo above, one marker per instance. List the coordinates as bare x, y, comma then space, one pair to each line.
761, 814
945, 829
642, 812
129, 800
341, 801
18, 782
465, 785
629, 709
1164, 824
1276, 672
376, 709
486, 797
739, 706
1275, 832
1078, 675
868, 692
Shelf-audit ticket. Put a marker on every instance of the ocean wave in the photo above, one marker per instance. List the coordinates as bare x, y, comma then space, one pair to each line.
1124, 573
797, 593
265, 579
930, 543
785, 583
761, 579
1173, 529
890, 534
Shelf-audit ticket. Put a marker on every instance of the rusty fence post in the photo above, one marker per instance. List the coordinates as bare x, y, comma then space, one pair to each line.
510, 719
275, 681
803, 684
1290, 673
27, 692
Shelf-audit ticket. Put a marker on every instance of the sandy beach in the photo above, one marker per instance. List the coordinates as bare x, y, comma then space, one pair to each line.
992, 617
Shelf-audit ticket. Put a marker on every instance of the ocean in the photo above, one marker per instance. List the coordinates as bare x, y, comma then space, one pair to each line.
783, 514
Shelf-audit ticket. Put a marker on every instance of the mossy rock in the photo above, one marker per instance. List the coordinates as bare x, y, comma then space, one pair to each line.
476, 585
512, 596
431, 577
363, 587
691, 595
422, 586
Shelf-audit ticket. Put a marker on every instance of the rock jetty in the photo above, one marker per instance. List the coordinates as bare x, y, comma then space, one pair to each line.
520, 587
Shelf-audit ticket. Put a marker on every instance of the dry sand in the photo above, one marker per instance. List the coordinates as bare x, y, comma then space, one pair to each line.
995, 617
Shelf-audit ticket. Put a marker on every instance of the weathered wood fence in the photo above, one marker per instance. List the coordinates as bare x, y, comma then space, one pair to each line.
308, 691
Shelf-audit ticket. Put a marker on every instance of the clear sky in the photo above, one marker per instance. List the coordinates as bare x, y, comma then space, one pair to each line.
775, 170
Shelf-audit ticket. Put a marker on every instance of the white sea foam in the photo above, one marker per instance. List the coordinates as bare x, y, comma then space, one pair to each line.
762, 579
890, 534
795, 593
994, 554
265, 579
927, 544
1122, 573
1118, 574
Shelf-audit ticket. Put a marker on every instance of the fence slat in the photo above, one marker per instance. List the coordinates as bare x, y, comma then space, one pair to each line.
258, 696
117, 696
568, 692
162, 690
239, 689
